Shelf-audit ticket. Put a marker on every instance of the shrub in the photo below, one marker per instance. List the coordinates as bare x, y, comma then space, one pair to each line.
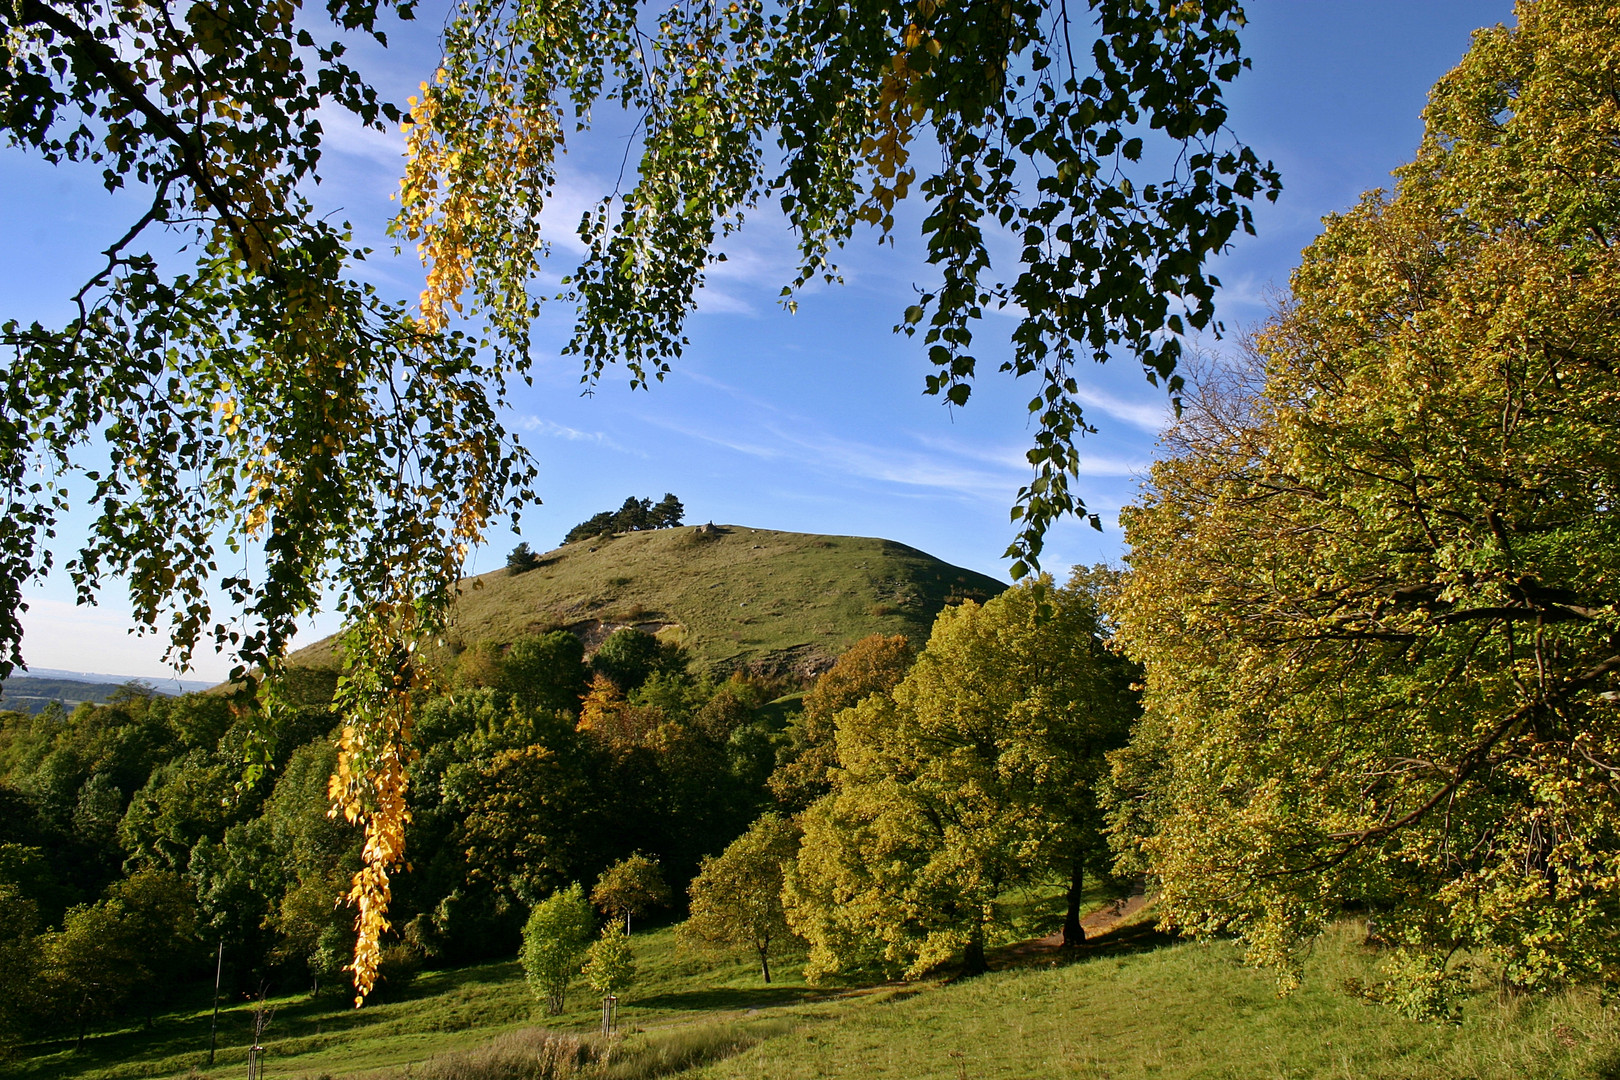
553, 940
610, 965
521, 560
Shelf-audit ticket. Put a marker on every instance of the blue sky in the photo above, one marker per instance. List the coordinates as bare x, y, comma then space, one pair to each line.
813, 421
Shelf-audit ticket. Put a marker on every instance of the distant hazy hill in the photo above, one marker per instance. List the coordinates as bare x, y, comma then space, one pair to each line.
735, 597
30, 694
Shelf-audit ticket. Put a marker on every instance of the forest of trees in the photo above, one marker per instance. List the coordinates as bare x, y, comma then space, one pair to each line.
130, 846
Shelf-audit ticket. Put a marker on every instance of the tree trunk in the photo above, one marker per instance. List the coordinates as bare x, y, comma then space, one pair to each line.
764, 962
1073, 933
973, 962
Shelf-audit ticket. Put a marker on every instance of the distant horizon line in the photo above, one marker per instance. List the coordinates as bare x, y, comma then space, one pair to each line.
185, 685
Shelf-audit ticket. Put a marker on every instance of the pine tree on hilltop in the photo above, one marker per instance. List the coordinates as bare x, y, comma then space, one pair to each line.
636, 515
668, 512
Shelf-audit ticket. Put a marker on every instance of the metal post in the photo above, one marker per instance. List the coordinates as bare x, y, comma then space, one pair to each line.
213, 1029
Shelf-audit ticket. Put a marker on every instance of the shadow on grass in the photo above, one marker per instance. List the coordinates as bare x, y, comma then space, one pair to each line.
180, 1035
727, 998
1121, 941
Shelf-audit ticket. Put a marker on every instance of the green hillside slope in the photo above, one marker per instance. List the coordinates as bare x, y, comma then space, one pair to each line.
735, 597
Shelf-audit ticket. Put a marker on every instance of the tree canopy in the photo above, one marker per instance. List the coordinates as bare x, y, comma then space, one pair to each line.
737, 895
1372, 587
873, 665
251, 390
632, 886
555, 940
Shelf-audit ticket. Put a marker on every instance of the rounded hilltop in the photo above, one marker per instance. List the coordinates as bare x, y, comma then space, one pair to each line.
734, 597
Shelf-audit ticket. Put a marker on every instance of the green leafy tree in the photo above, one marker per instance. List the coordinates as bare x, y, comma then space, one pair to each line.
184, 800
91, 967
629, 656
314, 931
158, 920
737, 895
610, 963
1371, 587
873, 665
631, 886
19, 965
978, 774
530, 820
122, 951
546, 671
479, 666
554, 939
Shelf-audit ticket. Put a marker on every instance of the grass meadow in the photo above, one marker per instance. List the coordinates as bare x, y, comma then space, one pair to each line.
1132, 1004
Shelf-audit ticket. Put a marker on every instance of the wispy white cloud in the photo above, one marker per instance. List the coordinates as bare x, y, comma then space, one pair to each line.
343, 133
1247, 290
1013, 458
549, 429
713, 301
1150, 416
751, 400
718, 438
796, 440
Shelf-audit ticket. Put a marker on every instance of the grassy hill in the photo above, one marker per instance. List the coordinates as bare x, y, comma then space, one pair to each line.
735, 597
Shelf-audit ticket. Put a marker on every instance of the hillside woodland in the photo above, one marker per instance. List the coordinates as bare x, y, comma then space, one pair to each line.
133, 848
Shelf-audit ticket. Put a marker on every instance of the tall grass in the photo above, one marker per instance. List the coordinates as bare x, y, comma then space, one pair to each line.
539, 1054
527, 1054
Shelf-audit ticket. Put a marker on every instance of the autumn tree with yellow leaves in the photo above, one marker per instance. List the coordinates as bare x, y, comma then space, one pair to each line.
978, 775
1373, 584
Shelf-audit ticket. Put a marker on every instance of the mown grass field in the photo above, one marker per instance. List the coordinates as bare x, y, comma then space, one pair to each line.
1132, 1005
732, 597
